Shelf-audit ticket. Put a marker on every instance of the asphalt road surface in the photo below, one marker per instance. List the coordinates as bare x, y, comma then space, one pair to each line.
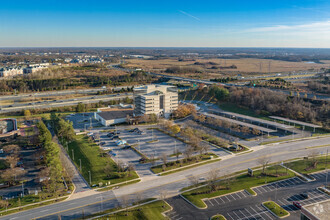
65, 102
153, 185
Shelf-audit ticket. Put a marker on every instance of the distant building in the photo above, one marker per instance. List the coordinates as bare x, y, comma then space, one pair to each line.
8, 127
115, 114
11, 71
161, 100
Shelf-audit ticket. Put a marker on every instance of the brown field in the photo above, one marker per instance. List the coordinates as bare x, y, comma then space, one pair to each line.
243, 65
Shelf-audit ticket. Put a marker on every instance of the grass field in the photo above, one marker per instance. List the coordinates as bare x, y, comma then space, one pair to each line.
248, 65
92, 160
237, 183
276, 209
182, 163
305, 166
152, 210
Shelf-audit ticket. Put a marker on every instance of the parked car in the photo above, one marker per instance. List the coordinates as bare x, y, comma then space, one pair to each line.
113, 137
304, 195
112, 153
297, 204
127, 147
121, 142
102, 143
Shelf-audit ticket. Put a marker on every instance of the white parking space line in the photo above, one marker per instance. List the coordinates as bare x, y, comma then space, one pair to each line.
232, 196
179, 218
256, 212
227, 198
221, 200
264, 212
211, 202
235, 214
244, 194
257, 190
243, 213
174, 216
262, 188
230, 216
236, 194
216, 201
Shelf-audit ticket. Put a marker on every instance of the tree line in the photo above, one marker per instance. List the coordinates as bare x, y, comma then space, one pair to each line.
52, 174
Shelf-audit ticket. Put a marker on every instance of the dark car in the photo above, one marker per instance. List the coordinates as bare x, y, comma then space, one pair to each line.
127, 147
110, 135
297, 204
102, 143
304, 195
113, 137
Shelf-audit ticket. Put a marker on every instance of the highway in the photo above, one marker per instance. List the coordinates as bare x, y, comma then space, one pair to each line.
151, 186
64, 102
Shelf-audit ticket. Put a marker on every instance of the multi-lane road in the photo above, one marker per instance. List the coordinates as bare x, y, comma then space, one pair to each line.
152, 185
63, 102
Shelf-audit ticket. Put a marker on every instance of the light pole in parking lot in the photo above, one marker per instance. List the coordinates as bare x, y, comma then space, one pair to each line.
326, 169
90, 178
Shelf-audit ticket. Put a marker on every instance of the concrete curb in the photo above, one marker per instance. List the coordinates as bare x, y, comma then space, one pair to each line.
192, 203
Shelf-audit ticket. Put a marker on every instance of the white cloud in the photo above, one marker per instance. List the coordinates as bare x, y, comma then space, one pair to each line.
316, 27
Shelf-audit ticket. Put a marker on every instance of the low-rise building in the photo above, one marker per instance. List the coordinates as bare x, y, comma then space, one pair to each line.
114, 114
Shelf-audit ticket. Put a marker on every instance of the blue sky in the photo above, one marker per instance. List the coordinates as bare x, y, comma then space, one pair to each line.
218, 23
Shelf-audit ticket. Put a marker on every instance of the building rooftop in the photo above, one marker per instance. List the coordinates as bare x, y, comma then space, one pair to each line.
319, 210
296, 122
115, 113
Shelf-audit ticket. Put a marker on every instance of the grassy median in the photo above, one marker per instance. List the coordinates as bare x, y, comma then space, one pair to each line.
183, 162
94, 159
309, 164
218, 217
276, 209
274, 173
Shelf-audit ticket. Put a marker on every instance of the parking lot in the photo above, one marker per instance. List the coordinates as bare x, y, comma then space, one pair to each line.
163, 144
83, 120
241, 205
292, 182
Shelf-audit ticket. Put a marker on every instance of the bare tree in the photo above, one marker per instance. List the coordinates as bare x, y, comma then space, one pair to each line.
193, 179
313, 158
11, 149
188, 152
12, 160
163, 157
108, 169
212, 177
162, 196
264, 161
130, 168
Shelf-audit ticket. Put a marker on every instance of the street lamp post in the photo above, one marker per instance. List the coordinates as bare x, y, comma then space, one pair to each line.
326, 170
90, 177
